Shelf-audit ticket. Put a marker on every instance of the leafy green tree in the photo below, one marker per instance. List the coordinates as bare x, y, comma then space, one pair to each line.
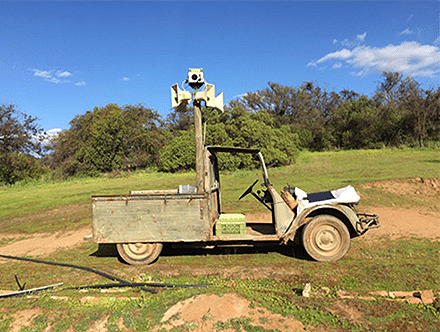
306, 109
422, 108
413, 111
355, 124
108, 138
180, 153
19, 132
143, 136
103, 147
236, 127
21, 141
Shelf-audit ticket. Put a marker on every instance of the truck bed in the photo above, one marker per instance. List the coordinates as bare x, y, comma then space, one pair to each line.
158, 217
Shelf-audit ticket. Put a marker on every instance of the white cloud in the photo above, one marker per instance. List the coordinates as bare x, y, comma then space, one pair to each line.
239, 96
82, 83
63, 74
42, 73
361, 37
351, 43
408, 58
45, 138
348, 43
337, 65
53, 76
53, 80
407, 31
53, 132
342, 55
437, 41
125, 79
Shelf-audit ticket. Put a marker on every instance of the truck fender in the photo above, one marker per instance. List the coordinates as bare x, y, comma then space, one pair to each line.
342, 212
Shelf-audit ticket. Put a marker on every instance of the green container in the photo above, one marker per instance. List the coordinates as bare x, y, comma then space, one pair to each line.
231, 224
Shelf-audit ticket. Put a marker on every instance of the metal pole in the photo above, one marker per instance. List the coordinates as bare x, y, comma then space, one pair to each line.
199, 145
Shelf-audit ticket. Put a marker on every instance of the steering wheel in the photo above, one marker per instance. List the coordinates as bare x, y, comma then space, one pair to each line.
248, 190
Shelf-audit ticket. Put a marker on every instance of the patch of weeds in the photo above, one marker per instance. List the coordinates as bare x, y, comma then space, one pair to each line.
349, 283
81, 325
112, 323
39, 324
429, 311
189, 326
400, 314
88, 315
239, 324
5, 322
5, 241
206, 317
63, 325
263, 320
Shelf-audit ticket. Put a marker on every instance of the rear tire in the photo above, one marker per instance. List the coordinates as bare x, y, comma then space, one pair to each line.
139, 253
326, 238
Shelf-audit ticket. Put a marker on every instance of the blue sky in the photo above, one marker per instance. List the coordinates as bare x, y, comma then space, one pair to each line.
60, 59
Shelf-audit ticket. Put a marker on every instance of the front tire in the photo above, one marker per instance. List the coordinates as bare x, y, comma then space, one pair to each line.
326, 238
139, 253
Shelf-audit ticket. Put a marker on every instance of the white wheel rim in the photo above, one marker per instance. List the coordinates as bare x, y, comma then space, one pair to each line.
326, 239
138, 251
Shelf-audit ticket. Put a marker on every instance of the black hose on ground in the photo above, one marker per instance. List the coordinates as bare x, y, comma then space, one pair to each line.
102, 274
121, 283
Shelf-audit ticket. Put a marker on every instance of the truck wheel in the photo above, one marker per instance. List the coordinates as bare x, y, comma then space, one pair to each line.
139, 253
326, 238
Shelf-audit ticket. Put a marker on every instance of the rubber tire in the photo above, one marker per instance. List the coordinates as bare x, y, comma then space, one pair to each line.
326, 238
139, 253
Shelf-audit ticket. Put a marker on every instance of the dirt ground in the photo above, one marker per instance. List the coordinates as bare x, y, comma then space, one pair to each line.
207, 310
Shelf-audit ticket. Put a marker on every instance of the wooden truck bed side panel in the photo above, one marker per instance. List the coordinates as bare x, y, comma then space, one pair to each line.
150, 218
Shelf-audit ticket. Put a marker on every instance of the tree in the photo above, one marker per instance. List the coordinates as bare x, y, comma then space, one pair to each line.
356, 124
103, 147
20, 142
306, 109
422, 107
388, 92
180, 153
108, 138
236, 127
413, 111
19, 132
143, 137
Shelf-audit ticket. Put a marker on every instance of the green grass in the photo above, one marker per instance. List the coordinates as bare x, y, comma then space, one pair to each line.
34, 196
312, 172
386, 267
270, 278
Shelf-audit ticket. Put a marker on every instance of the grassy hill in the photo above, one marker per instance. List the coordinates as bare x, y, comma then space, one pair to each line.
50, 206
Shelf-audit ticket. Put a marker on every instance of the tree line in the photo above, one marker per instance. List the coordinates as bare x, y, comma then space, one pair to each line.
279, 120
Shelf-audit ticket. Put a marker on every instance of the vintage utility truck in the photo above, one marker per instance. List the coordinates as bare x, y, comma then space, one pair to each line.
140, 222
